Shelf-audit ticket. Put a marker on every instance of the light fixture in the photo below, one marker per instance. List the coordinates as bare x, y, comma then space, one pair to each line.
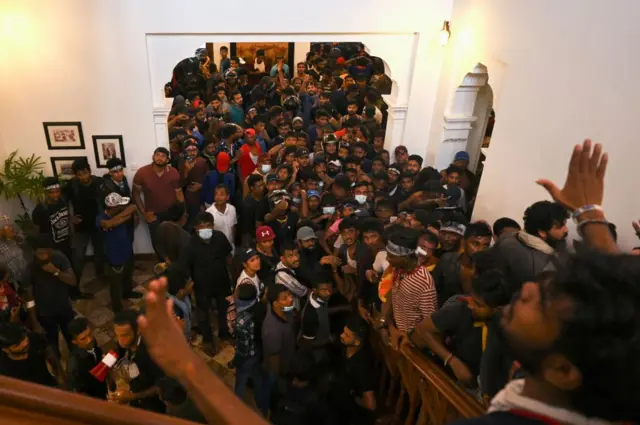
445, 33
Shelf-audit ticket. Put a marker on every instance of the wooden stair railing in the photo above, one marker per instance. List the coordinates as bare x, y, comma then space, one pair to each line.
422, 390
24, 403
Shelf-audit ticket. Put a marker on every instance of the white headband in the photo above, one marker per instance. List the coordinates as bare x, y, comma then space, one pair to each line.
116, 168
399, 251
52, 186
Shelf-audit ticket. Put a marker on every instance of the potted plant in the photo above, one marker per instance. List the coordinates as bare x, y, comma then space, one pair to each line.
21, 178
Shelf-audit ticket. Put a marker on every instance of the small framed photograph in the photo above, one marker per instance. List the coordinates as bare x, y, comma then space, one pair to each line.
107, 147
64, 135
61, 166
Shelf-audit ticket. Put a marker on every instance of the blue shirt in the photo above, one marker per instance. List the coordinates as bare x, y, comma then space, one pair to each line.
274, 70
117, 241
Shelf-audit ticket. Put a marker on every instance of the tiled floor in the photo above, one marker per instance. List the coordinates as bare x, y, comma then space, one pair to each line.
99, 313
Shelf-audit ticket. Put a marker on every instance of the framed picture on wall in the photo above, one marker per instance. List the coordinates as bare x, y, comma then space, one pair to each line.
248, 52
107, 147
64, 135
61, 166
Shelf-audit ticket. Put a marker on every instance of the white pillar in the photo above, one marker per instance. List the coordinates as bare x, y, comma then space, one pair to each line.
458, 121
160, 117
394, 134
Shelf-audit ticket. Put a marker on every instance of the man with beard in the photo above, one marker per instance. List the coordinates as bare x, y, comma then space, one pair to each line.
311, 258
451, 232
163, 196
455, 270
84, 356
575, 331
523, 255
24, 356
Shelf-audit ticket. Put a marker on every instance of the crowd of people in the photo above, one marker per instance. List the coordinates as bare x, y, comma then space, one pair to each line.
278, 207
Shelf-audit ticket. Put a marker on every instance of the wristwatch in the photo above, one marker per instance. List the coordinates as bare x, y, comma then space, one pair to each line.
57, 273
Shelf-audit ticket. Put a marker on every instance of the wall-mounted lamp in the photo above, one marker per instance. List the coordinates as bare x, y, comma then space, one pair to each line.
445, 33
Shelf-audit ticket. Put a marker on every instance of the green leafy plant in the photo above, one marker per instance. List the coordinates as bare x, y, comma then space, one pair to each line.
22, 178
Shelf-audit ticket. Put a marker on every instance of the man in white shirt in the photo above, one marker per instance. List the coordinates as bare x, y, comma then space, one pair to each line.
224, 214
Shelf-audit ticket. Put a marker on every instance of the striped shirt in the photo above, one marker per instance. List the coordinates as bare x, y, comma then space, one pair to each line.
413, 298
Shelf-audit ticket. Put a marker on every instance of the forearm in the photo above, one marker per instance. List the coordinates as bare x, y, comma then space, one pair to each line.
432, 342
138, 200
68, 277
598, 235
148, 393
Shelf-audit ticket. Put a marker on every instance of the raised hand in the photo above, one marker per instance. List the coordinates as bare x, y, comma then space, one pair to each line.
161, 332
585, 179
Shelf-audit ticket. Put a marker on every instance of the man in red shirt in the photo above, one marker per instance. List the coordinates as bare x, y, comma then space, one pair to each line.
250, 153
163, 196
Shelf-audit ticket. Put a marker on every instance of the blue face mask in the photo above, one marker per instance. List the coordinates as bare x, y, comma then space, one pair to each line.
287, 309
205, 234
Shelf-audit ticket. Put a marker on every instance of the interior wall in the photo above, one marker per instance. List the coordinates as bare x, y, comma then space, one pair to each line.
87, 60
561, 72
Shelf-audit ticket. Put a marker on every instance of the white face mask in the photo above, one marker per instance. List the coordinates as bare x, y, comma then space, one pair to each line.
265, 168
205, 234
287, 308
328, 210
362, 199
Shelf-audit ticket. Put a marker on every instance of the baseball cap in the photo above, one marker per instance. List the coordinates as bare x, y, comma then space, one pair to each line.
264, 233
114, 199
318, 158
461, 156
335, 162
272, 178
248, 254
305, 233
250, 132
302, 152
312, 193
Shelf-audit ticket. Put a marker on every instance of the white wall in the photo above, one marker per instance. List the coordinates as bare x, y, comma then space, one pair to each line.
560, 71
87, 60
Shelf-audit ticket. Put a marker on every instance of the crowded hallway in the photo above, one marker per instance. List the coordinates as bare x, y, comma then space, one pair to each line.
286, 232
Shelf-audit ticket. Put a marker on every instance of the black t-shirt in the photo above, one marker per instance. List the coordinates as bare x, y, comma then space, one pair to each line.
357, 372
54, 219
207, 262
267, 264
84, 200
272, 130
147, 376
252, 210
455, 322
33, 368
49, 292
285, 229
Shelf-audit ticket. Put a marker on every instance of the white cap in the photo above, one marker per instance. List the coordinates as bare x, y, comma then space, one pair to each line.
114, 200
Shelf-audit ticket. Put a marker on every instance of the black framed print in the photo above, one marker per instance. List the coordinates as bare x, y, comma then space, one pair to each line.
61, 166
107, 147
64, 135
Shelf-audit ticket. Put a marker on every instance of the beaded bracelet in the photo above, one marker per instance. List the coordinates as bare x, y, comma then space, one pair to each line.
583, 209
